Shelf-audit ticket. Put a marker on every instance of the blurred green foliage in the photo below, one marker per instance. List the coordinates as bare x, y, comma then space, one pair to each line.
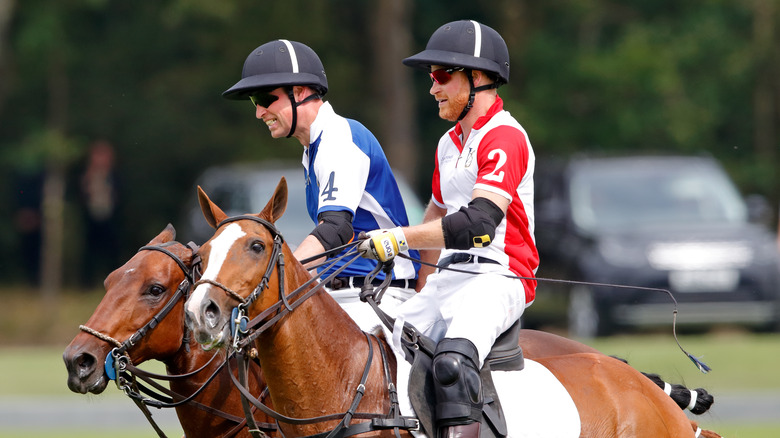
587, 75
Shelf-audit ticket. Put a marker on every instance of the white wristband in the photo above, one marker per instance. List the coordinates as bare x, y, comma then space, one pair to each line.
400, 238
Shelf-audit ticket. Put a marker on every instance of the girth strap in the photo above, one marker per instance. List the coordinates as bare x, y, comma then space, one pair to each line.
343, 428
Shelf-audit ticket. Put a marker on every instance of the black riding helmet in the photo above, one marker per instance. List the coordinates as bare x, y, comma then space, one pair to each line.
281, 63
470, 45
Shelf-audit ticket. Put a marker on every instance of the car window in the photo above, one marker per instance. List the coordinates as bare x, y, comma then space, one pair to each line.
619, 196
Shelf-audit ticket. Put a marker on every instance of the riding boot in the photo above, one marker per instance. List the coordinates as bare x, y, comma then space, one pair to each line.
458, 389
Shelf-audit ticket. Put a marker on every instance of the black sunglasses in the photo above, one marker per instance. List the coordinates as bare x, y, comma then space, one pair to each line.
263, 99
442, 76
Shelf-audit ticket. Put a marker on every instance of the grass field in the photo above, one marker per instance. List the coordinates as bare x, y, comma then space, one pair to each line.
34, 335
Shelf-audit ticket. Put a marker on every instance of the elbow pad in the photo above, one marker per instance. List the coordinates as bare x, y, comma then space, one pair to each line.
335, 229
473, 226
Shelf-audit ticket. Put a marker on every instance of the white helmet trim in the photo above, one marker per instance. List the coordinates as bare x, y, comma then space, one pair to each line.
477, 39
293, 56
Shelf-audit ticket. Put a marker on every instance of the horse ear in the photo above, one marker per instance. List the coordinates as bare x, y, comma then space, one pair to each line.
166, 235
213, 214
278, 202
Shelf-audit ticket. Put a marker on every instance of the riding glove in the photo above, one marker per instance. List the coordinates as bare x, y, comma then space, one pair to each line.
383, 245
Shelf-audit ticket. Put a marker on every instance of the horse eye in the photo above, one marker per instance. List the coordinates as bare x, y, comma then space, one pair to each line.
156, 290
257, 246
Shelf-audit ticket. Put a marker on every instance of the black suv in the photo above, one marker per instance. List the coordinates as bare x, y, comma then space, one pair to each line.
669, 222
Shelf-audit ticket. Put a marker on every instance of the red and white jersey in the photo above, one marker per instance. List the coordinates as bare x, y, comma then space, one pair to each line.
496, 157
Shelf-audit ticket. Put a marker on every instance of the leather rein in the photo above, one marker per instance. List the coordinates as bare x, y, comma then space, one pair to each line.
120, 368
245, 332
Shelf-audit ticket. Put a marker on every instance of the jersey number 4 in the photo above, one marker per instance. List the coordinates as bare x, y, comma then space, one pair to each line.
330, 188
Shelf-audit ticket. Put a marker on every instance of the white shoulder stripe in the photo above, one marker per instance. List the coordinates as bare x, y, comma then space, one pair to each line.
293, 56
477, 39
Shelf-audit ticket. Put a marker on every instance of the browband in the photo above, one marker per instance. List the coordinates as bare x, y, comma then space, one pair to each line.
271, 227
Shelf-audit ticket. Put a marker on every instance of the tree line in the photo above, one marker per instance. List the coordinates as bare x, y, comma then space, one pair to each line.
146, 79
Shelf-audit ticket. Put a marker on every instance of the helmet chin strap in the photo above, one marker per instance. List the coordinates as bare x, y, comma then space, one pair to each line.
472, 93
295, 106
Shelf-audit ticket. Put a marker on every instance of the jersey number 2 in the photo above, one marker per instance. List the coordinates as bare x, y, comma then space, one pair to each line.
497, 175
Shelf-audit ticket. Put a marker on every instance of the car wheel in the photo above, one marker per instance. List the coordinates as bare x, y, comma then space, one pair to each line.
582, 314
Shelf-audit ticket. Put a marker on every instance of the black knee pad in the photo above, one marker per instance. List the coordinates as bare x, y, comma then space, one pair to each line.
457, 383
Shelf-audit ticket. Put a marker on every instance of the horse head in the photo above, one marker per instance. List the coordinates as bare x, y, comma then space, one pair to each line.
235, 259
135, 293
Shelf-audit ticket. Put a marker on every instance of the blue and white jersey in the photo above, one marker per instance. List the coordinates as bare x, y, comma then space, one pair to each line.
346, 170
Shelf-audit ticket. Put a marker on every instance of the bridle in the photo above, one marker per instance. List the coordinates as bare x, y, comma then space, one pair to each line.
119, 367
245, 332
276, 260
119, 353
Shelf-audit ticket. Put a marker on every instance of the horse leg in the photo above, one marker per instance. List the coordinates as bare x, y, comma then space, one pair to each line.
704, 433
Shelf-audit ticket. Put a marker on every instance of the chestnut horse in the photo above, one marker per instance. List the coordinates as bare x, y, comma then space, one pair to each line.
313, 355
135, 294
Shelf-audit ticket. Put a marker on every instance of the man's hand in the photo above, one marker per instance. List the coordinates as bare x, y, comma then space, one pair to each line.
383, 245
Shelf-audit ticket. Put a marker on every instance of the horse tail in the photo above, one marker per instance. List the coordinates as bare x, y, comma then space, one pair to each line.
698, 400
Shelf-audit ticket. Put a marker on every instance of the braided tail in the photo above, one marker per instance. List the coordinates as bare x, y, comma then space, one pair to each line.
698, 400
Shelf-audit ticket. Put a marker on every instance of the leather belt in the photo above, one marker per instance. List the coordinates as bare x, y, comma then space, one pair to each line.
464, 257
357, 282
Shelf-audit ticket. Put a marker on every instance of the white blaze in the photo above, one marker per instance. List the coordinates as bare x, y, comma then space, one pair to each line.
220, 247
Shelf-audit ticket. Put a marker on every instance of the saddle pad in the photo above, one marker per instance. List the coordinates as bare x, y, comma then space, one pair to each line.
536, 404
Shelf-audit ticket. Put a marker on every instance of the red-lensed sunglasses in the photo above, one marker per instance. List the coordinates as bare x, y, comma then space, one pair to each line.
442, 76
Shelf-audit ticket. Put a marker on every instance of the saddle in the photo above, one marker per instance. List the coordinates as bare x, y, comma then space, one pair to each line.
506, 355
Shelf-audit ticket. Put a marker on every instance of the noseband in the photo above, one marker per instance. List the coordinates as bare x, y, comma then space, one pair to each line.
240, 326
238, 320
276, 259
118, 354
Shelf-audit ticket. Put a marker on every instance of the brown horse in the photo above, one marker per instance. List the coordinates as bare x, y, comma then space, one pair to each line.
135, 293
313, 357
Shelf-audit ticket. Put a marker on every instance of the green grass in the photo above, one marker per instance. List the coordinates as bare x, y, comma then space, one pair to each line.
739, 361
34, 333
748, 430
727, 354
40, 371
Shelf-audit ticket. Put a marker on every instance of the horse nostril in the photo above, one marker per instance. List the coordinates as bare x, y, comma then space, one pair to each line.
211, 314
85, 365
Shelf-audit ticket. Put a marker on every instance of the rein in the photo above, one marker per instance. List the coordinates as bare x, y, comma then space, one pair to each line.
392, 420
119, 367
704, 368
181, 291
245, 332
